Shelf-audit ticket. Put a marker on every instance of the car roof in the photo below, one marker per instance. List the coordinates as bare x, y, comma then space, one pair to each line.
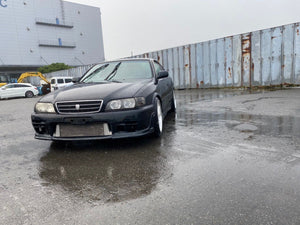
24, 84
61, 78
127, 59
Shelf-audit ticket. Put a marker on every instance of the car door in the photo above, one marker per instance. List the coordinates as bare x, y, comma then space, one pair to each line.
60, 83
68, 82
165, 88
21, 89
15, 90
8, 91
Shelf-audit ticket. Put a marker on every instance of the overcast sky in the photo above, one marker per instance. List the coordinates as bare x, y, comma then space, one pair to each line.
141, 26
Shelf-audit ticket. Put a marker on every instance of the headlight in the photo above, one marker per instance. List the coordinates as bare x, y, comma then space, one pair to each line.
127, 103
115, 104
44, 108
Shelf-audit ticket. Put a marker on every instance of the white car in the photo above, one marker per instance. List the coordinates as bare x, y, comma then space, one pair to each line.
60, 82
18, 90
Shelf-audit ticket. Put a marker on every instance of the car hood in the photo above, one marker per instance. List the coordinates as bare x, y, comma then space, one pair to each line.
105, 91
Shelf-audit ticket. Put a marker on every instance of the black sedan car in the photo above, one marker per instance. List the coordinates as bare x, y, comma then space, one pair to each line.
117, 99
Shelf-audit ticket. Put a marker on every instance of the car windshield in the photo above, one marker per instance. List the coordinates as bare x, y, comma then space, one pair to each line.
122, 71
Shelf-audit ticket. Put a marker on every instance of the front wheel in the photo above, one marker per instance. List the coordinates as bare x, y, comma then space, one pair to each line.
29, 94
173, 103
158, 118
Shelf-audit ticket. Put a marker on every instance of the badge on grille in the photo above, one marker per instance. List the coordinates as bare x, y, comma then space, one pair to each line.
77, 107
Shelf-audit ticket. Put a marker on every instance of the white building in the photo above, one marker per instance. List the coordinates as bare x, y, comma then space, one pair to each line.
35, 33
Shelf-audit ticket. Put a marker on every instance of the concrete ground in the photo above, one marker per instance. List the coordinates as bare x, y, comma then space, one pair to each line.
226, 157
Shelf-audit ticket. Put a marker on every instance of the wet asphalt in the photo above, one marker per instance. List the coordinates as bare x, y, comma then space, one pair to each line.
225, 157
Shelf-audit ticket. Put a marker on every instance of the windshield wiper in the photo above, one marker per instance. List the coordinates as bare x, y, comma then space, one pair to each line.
96, 71
113, 72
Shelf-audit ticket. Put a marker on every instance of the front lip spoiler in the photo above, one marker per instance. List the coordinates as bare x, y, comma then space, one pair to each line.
114, 136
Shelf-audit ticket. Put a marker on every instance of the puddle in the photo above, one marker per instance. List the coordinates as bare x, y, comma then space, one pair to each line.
190, 113
105, 171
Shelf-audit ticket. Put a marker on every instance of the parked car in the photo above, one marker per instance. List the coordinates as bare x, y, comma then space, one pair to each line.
116, 99
60, 82
18, 90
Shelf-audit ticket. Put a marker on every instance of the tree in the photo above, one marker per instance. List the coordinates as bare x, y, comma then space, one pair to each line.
53, 67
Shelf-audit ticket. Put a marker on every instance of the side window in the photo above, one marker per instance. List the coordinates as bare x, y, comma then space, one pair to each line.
60, 81
53, 81
158, 68
68, 80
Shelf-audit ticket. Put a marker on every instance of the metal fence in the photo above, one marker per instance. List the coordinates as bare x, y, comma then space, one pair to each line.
260, 58
74, 72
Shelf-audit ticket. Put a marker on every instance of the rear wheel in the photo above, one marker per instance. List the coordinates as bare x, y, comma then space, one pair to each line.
173, 103
29, 94
158, 118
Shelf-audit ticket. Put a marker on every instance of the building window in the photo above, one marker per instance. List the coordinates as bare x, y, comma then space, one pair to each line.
54, 22
57, 43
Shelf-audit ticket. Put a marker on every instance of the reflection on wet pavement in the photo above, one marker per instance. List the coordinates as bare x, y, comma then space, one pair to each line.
108, 171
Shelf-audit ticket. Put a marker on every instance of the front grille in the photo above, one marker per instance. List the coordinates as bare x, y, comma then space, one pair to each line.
75, 107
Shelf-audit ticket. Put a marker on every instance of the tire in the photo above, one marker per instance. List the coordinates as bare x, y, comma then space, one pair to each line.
158, 118
29, 94
173, 103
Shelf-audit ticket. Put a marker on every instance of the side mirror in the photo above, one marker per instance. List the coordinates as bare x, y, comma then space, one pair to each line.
162, 74
75, 79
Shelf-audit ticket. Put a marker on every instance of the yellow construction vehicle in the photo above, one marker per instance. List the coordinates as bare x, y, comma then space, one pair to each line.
2, 84
32, 74
46, 87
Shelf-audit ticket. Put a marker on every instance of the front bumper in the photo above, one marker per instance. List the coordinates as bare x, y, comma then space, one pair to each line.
121, 124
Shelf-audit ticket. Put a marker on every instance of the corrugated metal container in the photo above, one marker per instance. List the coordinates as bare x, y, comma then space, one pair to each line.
260, 58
